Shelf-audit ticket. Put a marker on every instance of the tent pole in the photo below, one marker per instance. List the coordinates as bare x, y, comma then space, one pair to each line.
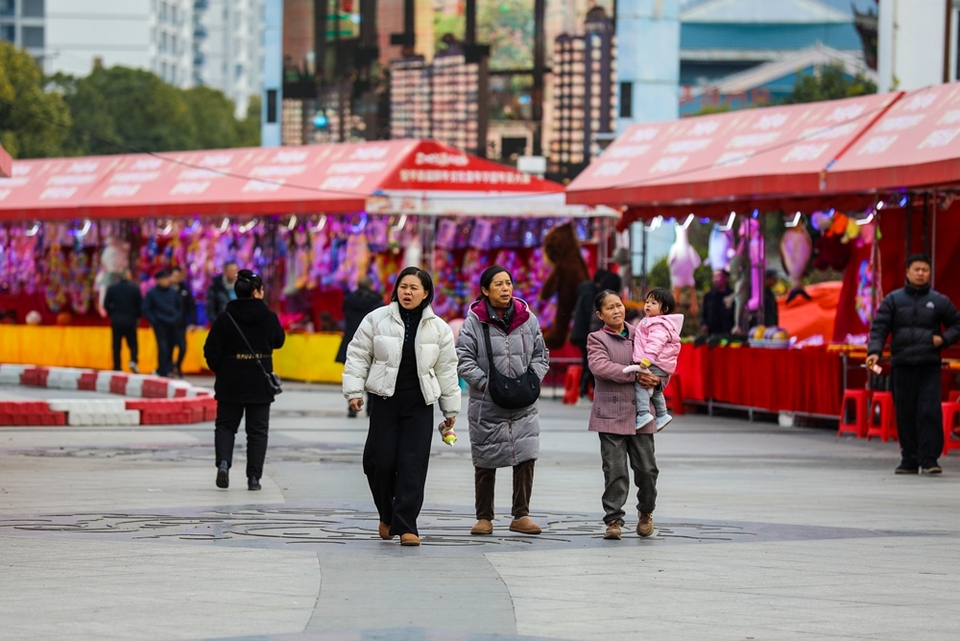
908, 236
926, 223
933, 243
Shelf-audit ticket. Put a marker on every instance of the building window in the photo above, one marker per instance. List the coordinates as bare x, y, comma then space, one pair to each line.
32, 37
626, 100
31, 8
8, 8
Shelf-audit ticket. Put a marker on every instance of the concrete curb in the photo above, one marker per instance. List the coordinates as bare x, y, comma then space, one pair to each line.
155, 400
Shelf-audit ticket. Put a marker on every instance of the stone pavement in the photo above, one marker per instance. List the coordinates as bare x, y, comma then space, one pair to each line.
763, 532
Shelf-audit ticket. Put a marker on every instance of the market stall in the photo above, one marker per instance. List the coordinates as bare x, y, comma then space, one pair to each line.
848, 177
312, 219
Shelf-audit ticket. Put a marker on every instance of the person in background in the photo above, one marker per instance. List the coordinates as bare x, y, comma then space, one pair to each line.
161, 307
403, 355
356, 305
585, 321
716, 314
501, 437
921, 323
622, 445
188, 317
122, 304
771, 314
221, 291
241, 386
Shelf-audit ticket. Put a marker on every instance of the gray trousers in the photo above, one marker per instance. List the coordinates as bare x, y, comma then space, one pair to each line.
619, 453
655, 395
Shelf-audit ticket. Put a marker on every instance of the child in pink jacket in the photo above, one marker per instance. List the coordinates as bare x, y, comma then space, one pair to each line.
655, 350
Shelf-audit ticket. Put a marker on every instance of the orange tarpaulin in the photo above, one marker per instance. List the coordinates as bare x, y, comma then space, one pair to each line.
805, 318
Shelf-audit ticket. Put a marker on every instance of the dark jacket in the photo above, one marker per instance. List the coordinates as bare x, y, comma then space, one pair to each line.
122, 303
913, 316
239, 378
714, 312
217, 298
188, 306
162, 306
771, 313
584, 314
356, 305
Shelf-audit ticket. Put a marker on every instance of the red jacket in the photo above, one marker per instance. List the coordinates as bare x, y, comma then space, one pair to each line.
614, 398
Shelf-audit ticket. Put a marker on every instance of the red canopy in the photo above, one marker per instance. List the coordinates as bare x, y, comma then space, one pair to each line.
6, 163
743, 155
332, 178
915, 143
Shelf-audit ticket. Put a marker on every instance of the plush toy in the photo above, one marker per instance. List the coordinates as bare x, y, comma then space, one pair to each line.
683, 260
740, 271
113, 261
720, 248
795, 250
562, 250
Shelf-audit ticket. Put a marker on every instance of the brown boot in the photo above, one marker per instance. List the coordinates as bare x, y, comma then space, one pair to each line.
613, 531
384, 531
409, 539
524, 525
645, 526
482, 527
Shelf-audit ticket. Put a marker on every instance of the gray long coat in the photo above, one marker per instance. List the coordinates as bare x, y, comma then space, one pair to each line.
500, 437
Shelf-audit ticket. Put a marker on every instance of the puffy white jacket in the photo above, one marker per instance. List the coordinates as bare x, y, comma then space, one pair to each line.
373, 358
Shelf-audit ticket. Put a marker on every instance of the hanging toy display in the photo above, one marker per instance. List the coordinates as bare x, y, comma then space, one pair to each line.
795, 251
683, 261
57, 276
114, 259
720, 248
752, 246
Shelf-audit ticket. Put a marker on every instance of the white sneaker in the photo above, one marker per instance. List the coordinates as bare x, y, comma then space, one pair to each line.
133, 367
584, 401
663, 421
644, 419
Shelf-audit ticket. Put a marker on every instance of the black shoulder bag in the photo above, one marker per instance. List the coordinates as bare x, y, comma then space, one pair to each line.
273, 379
510, 393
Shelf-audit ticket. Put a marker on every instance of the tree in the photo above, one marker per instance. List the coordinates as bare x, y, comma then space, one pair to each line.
248, 129
213, 118
33, 124
120, 109
829, 82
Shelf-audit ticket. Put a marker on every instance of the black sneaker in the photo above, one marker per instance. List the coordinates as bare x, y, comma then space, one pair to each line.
932, 468
223, 475
902, 469
253, 483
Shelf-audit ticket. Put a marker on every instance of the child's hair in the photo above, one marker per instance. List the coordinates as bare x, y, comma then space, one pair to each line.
668, 304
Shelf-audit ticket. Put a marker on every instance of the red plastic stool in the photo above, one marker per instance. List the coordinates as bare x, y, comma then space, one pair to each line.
673, 395
857, 421
950, 412
571, 385
883, 426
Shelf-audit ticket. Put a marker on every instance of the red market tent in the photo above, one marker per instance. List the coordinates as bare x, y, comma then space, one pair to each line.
915, 143
739, 158
6, 163
398, 176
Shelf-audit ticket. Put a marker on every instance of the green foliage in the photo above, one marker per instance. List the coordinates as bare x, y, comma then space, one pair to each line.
831, 82
28, 116
119, 110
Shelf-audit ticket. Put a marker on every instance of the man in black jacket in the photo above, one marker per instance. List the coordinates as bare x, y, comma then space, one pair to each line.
221, 291
162, 308
922, 322
122, 303
241, 386
716, 315
356, 305
188, 317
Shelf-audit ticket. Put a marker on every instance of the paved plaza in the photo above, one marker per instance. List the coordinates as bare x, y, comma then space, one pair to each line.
763, 532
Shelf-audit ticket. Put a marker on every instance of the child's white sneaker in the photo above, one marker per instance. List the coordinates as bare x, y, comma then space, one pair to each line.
663, 421
644, 419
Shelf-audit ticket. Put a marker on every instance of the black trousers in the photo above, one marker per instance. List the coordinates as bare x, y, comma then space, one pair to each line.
485, 481
166, 338
124, 331
228, 422
395, 457
916, 396
180, 342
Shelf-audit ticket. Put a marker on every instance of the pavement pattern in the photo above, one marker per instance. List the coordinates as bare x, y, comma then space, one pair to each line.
763, 532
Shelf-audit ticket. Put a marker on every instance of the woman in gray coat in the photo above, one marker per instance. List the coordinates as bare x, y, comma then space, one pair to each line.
501, 437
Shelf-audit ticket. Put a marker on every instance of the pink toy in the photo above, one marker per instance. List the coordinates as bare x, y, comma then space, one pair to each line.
683, 260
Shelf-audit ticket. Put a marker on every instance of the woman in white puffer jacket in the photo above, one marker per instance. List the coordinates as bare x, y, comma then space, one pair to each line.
404, 356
